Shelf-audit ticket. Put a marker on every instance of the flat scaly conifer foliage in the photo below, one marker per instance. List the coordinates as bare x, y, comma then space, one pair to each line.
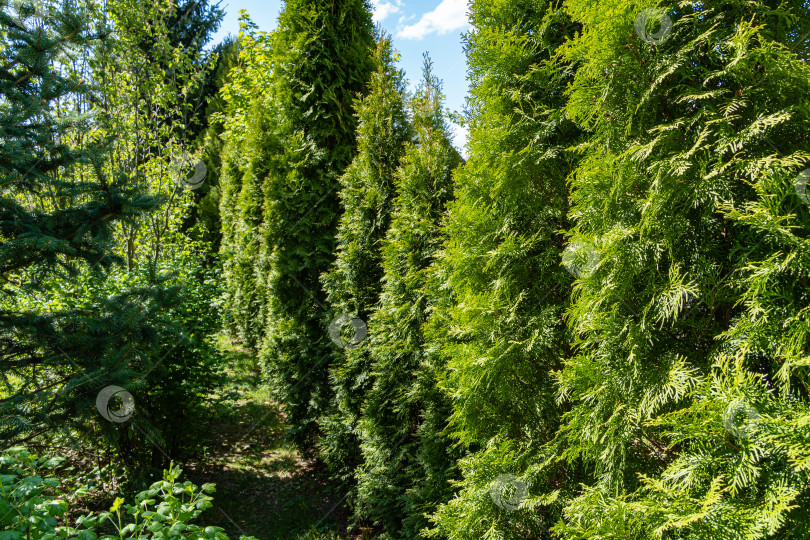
290, 132
391, 416
500, 325
688, 391
354, 281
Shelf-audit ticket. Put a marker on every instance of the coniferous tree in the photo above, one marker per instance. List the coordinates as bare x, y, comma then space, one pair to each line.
501, 327
688, 387
57, 205
248, 127
236, 233
659, 392
392, 415
354, 282
321, 61
250, 167
206, 210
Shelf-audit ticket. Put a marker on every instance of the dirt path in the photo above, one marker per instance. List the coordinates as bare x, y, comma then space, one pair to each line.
264, 487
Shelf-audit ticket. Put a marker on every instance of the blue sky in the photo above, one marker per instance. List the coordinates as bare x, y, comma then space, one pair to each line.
433, 26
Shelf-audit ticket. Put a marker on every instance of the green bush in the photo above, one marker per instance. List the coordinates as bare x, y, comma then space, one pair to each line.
31, 506
170, 366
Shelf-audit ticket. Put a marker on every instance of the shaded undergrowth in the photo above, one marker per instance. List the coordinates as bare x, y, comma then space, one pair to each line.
265, 487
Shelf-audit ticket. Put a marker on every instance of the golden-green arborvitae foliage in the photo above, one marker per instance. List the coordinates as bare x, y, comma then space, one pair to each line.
354, 281
392, 415
688, 391
501, 327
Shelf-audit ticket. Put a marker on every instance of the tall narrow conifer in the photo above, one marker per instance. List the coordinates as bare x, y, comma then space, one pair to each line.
500, 324
354, 282
392, 415
249, 149
321, 61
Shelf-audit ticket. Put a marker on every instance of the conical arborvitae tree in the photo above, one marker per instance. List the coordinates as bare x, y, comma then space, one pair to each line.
206, 211
58, 201
321, 60
248, 172
391, 416
230, 181
249, 120
353, 284
689, 389
501, 325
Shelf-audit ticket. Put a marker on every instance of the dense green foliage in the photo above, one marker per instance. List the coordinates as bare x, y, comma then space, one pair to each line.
283, 182
390, 427
244, 161
354, 282
601, 306
58, 204
321, 59
505, 333
682, 392
688, 385
204, 220
31, 504
594, 327
101, 286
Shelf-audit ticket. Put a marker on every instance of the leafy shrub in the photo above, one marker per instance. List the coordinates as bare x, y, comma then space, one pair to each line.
30, 506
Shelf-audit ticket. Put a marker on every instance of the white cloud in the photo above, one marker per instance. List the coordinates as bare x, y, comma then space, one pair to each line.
460, 136
403, 19
383, 9
449, 15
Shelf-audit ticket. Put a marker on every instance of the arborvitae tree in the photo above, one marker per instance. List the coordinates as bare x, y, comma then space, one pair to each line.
689, 389
354, 282
437, 454
501, 325
321, 61
57, 205
231, 243
391, 417
248, 126
206, 210
248, 167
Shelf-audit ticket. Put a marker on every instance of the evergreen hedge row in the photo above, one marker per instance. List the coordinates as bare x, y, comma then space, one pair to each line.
596, 327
